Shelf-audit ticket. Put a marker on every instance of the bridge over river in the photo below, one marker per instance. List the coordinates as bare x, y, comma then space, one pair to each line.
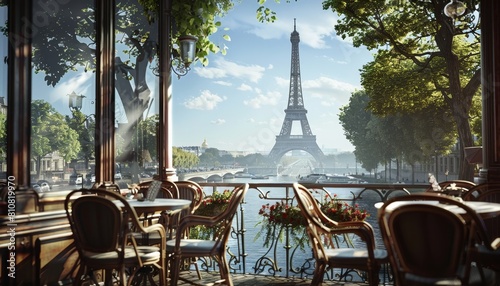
219, 175
210, 176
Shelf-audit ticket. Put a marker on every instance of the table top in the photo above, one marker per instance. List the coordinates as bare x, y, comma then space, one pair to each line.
159, 204
484, 209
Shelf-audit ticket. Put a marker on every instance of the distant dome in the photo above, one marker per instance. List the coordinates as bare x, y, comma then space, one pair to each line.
204, 144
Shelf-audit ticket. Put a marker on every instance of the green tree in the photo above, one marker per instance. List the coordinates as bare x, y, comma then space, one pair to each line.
136, 34
404, 137
50, 133
148, 129
210, 157
423, 58
182, 159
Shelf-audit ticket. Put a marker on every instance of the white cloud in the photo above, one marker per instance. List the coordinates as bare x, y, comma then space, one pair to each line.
281, 81
224, 83
323, 82
223, 69
270, 98
333, 60
330, 91
81, 84
205, 101
313, 27
244, 87
219, 121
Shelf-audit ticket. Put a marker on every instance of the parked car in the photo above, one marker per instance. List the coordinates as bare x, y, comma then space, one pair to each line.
46, 184
76, 179
118, 176
41, 188
90, 178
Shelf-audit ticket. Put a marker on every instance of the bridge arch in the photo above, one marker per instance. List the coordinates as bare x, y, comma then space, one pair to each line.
315, 153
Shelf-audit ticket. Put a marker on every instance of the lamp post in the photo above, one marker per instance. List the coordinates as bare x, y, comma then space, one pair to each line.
75, 105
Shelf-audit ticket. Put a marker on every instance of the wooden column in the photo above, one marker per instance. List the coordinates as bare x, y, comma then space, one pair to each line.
19, 93
490, 67
166, 170
105, 91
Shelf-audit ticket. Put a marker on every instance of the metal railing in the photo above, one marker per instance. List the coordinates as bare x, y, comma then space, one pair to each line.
285, 255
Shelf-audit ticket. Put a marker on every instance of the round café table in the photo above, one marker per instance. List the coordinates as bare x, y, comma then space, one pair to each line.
159, 205
168, 206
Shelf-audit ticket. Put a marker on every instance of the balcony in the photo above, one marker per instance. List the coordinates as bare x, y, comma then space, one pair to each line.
282, 262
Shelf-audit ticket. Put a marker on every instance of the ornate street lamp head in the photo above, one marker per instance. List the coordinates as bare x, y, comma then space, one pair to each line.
75, 101
454, 9
186, 56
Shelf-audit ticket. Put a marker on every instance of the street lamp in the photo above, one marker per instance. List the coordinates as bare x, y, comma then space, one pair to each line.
183, 57
454, 9
75, 101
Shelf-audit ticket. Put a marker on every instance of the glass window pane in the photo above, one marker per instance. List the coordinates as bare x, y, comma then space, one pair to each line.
136, 107
63, 94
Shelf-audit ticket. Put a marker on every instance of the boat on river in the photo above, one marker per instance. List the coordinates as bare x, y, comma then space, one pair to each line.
243, 175
328, 179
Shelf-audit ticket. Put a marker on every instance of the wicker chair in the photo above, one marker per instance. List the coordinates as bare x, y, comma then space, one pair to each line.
183, 247
100, 221
488, 254
321, 230
484, 192
192, 191
430, 245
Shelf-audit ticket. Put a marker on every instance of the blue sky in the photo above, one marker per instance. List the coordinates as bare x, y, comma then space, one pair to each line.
237, 102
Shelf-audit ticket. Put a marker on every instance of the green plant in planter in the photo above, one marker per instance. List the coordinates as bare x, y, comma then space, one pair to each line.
214, 204
278, 216
210, 206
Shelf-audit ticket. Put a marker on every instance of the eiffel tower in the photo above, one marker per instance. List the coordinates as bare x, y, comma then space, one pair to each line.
295, 111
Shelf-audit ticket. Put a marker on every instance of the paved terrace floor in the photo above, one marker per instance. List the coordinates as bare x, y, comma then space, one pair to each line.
190, 278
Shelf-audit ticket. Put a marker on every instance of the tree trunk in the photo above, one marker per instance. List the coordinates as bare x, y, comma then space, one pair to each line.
38, 167
465, 139
457, 97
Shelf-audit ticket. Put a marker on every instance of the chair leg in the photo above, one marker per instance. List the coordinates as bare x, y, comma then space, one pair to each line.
174, 269
194, 262
108, 278
319, 272
373, 278
162, 270
79, 275
224, 270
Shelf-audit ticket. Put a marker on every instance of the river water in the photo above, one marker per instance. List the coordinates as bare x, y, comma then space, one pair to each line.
254, 248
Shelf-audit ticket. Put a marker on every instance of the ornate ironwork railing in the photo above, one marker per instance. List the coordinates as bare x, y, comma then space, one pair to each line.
285, 255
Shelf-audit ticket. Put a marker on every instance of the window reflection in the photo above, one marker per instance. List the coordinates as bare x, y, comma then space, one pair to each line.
136, 89
63, 62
